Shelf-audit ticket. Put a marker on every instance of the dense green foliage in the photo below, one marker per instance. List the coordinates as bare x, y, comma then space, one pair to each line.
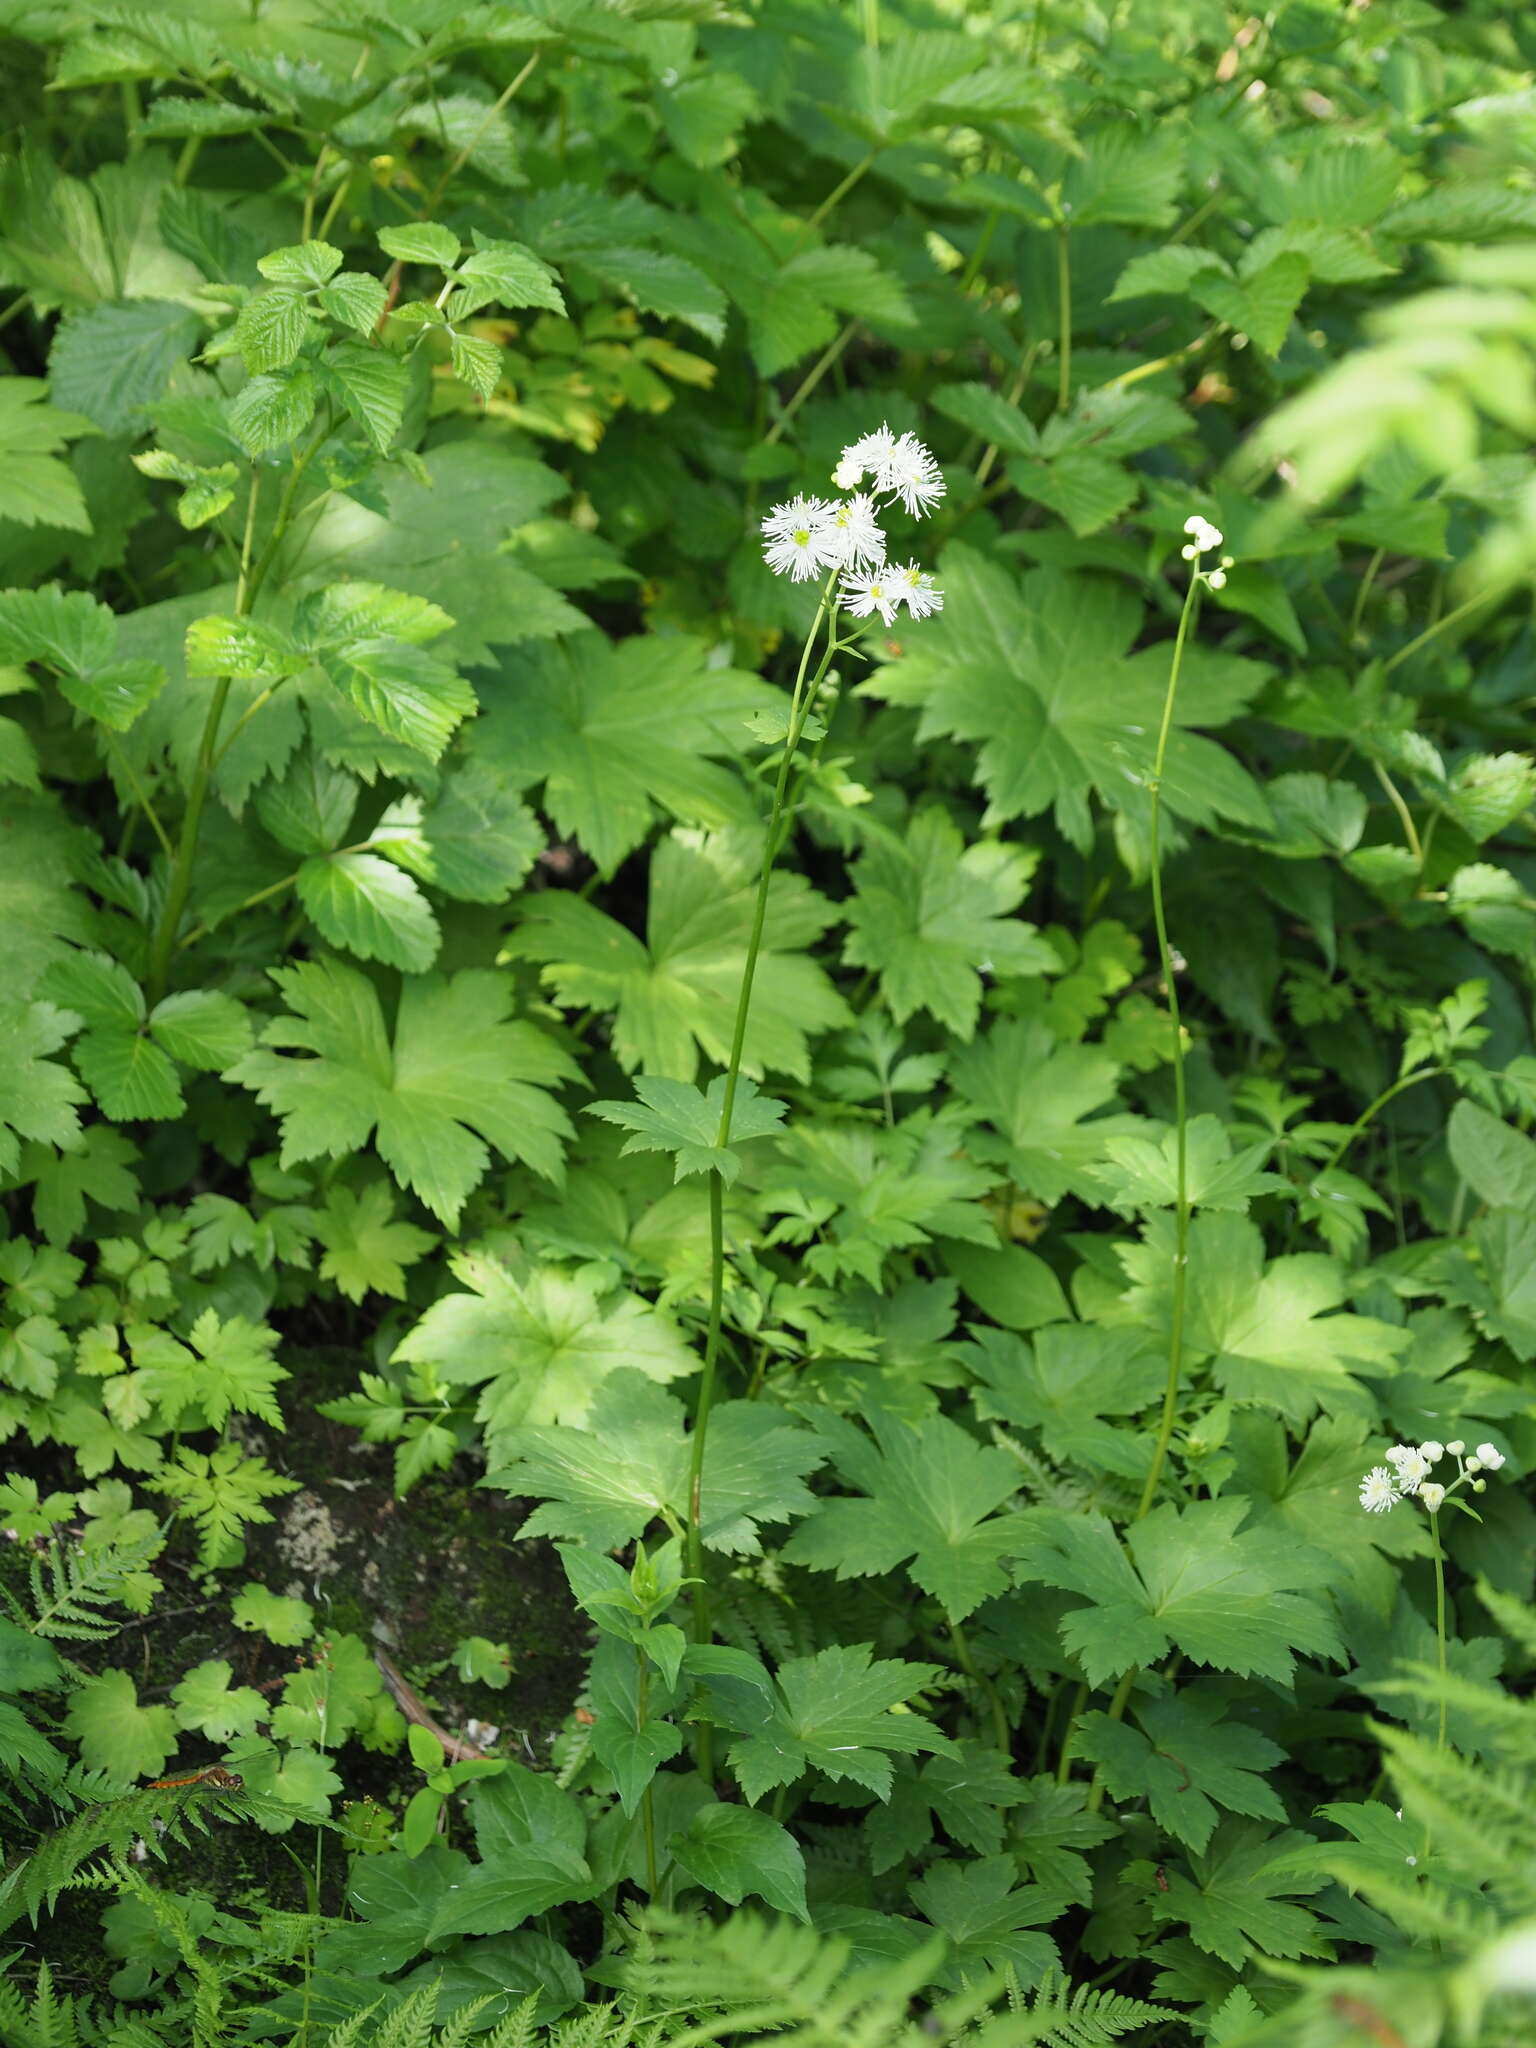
931, 1155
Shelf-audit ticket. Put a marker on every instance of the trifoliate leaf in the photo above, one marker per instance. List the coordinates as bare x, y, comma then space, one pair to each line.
930, 1495
629, 1463
675, 1117
366, 1249
734, 1851
74, 636
368, 907
1194, 1580
459, 1078
116, 1735
933, 914
617, 732
1039, 674
1186, 1759
545, 1344
675, 995
207, 492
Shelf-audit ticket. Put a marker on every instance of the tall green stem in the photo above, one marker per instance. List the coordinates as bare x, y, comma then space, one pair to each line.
253, 574
1434, 1533
800, 702
1064, 292
1180, 1097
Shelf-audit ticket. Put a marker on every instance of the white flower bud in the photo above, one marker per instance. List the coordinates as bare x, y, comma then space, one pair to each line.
1433, 1496
1456, 1447
1490, 1456
1474, 1463
1433, 1451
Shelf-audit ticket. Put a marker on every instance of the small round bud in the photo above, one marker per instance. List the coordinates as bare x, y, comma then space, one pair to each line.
1479, 1486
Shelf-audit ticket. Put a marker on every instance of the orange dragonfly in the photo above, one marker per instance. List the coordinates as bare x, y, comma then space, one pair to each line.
215, 1777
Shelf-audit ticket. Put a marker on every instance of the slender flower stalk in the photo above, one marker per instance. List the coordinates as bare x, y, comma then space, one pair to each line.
843, 541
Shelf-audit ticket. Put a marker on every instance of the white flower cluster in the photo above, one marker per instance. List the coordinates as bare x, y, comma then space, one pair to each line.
1204, 539
805, 537
1407, 1471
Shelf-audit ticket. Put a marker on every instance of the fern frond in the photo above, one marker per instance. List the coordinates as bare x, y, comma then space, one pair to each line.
1477, 1814
99, 1841
69, 1587
1074, 2016
1515, 1617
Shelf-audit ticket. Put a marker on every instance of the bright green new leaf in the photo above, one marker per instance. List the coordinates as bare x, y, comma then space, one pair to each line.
37, 1095
207, 1702
475, 840
458, 1078
421, 242
1141, 1174
368, 907
40, 488
366, 1248
230, 1368
545, 1344
281, 1618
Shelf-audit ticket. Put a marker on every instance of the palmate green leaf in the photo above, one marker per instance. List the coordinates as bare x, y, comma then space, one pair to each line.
1186, 1758
207, 1702
458, 1079
619, 732
985, 1911
1064, 1382
115, 1733
1270, 1331
1045, 1101
676, 1117
544, 1344
1236, 1898
931, 913
930, 1493
604, 1483
366, 1248
111, 360
228, 1369
1139, 1173
1194, 1580
40, 488
830, 1712
1038, 673
674, 995
857, 1194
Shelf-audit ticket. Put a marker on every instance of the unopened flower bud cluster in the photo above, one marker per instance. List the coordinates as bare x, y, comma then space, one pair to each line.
1204, 539
805, 537
1406, 1475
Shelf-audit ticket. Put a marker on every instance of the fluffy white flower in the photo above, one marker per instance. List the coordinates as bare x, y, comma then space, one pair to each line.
1490, 1457
1433, 1450
875, 590
799, 539
861, 456
1377, 1491
917, 588
911, 472
1433, 1496
853, 524
1411, 1465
